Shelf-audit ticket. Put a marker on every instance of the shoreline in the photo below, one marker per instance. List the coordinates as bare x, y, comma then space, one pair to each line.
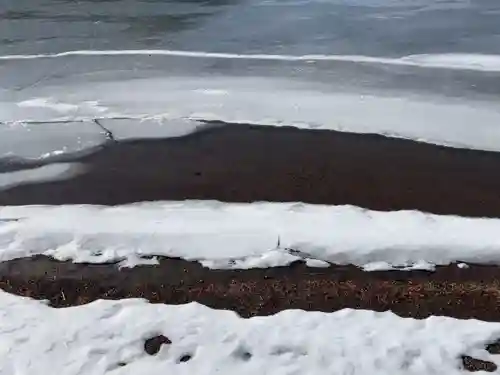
245, 163
463, 293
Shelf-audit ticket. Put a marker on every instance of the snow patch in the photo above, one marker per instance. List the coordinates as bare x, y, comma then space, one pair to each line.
420, 265
108, 337
224, 235
317, 263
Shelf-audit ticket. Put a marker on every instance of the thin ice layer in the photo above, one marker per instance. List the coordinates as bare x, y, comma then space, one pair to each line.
51, 172
223, 235
107, 337
34, 141
266, 101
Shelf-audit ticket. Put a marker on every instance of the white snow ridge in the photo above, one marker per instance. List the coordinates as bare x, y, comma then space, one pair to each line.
223, 235
107, 337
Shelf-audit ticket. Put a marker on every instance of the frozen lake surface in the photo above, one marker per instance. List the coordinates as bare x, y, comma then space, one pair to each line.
427, 70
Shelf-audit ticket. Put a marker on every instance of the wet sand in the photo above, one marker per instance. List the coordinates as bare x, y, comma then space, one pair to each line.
451, 291
243, 163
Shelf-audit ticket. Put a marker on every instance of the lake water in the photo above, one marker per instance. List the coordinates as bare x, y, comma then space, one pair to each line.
423, 69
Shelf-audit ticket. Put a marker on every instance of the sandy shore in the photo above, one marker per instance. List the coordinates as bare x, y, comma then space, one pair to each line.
472, 292
249, 163
241, 163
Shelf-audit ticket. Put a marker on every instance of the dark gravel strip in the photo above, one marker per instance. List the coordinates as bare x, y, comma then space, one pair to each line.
243, 163
462, 293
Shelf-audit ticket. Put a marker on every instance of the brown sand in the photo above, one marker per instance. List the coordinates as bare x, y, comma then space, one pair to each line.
462, 293
242, 163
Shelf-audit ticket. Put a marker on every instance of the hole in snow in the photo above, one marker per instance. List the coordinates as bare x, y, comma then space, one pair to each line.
185, 358
246, 356
473, 364
242, 354
153, 345
494, 347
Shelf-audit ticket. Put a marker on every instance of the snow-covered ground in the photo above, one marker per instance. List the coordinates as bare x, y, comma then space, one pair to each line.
95, 339
222, 235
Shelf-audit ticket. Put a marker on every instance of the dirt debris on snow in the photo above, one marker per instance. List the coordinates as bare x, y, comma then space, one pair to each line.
473, 364
153, 345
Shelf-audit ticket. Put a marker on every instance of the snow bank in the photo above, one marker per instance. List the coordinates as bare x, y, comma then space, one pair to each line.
96, 338
222, 235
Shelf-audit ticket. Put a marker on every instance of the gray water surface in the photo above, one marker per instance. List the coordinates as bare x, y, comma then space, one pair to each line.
281, 89
365, 27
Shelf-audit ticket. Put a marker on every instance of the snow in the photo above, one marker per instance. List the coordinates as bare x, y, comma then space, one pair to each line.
226, 235
317, 263
96, 337
421, 265
51, 172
